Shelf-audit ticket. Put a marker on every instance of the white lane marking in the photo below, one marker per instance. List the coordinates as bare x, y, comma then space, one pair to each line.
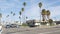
50, 32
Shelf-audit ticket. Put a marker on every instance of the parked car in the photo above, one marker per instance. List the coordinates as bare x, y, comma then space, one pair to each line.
31, 23
12, 26
8, 26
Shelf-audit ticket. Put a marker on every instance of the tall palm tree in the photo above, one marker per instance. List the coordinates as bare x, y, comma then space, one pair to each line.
0, 17
20, 15
24, 4
43, 13
13, 14
22, 9
40, 5
20, 19
48, 14
7, 18
26, 17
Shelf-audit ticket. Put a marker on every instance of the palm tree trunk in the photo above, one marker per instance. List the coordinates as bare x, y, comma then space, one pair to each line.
40, 15
48, 17
43, 16
0, 20
20, 19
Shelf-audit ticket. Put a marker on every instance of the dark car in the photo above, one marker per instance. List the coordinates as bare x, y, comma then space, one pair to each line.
7, 26
31, 23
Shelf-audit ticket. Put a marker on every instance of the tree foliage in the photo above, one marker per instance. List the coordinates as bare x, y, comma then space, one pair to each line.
24, 3
22, 9
40, 4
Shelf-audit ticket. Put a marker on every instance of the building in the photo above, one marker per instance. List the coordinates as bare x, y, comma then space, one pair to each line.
57, 22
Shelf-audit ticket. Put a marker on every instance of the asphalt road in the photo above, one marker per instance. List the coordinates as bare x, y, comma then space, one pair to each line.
34, 30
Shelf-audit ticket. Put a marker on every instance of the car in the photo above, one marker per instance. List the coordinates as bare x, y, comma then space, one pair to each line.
12, 26
31, 23
8, 26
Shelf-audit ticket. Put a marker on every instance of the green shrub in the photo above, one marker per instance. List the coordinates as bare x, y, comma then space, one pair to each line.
51, 22
43, 23
24, 24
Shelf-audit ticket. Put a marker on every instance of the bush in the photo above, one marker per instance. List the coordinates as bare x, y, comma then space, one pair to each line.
51, 22
24, 24
43, 23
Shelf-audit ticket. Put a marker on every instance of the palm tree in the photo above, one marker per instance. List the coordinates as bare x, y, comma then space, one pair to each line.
0, 17
40, 5
26, 17
43, 13
7, 18
20, 15
20, 19
24, 3
13, 14
22, 9
48, 14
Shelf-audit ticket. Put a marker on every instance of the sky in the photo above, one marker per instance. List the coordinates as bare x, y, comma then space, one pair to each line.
32, 10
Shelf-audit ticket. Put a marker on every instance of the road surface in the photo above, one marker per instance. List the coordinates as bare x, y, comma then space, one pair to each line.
34, 30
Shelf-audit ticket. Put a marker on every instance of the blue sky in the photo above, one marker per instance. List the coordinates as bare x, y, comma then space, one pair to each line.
31, 10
